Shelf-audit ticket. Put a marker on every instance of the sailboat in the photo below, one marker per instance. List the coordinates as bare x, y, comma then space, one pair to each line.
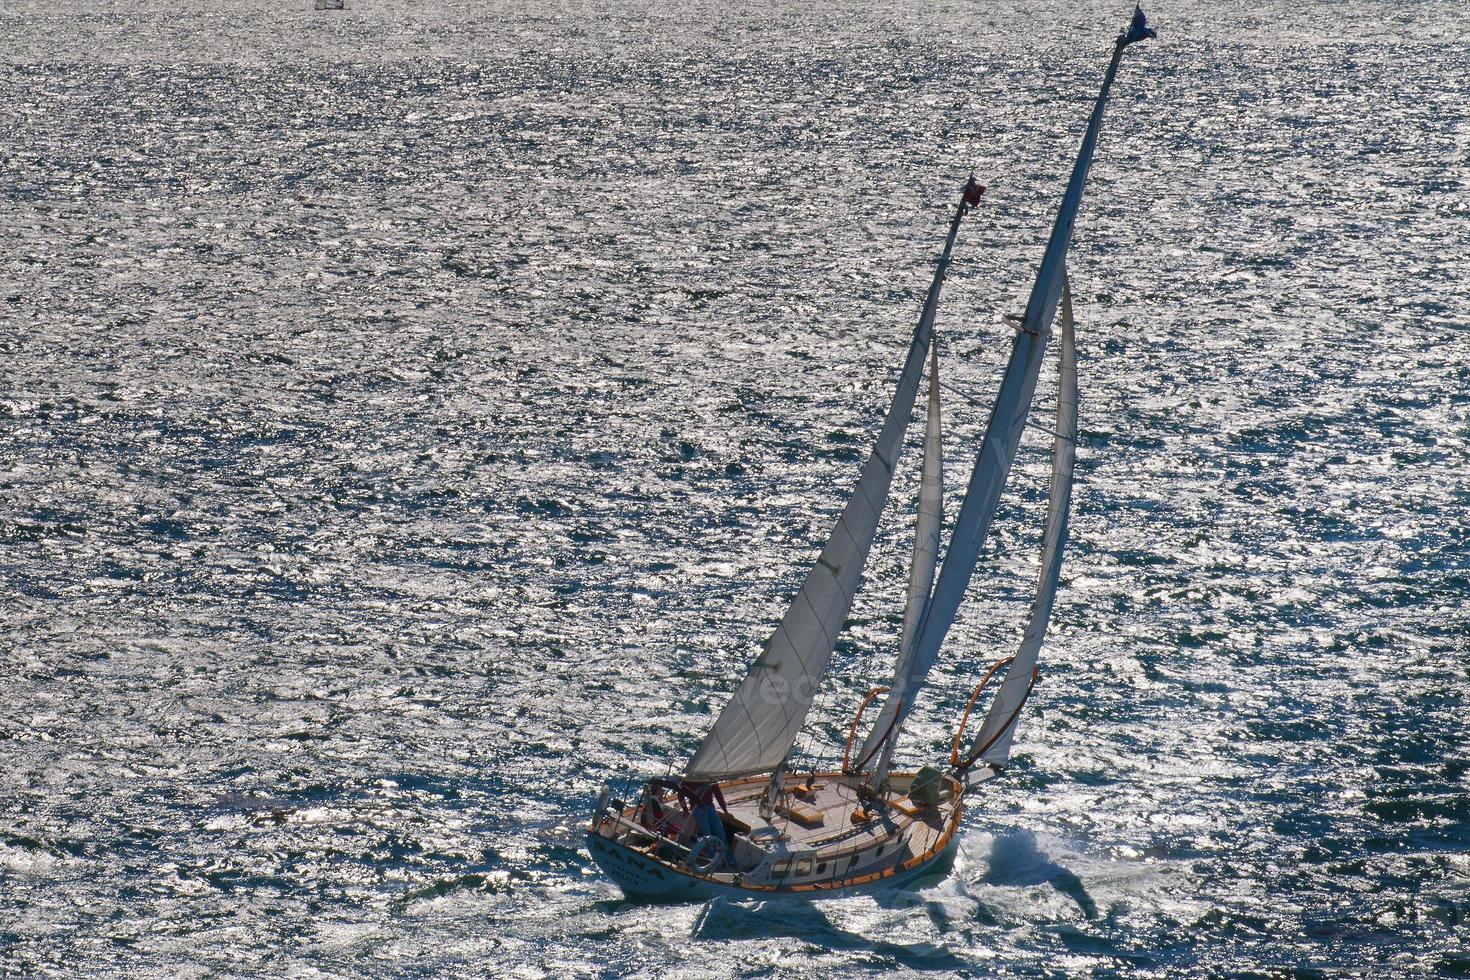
740, 821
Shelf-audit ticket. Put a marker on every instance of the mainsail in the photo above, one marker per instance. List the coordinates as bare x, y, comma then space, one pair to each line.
755, 730
993, 742
1003, 433
921, 565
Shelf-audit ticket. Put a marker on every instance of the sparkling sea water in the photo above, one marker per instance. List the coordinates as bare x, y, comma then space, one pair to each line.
414, 417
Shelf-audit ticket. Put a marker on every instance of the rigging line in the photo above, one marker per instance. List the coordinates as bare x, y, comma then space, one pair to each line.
1051, 432
963, 394
979, 404
808, 742
803, 743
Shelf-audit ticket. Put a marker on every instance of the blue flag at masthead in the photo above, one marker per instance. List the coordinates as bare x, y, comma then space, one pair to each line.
1138, 29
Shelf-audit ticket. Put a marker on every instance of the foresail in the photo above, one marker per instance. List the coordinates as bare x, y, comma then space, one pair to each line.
987, 480
755, 730
922, 563
925, 555
1009, 413
992, 743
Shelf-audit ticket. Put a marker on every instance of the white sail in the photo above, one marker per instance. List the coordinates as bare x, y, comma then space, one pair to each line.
755, 730
1007, 416
992, 743
925, 557
924, 560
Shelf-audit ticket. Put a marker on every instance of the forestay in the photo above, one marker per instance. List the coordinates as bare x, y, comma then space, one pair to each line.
755, 730
993, 742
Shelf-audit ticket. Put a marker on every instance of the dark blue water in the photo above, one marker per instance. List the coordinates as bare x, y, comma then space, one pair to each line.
415, 417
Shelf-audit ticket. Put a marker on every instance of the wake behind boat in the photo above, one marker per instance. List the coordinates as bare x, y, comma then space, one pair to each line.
738, 821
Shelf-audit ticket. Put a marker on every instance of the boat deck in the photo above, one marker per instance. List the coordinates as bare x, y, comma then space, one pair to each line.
811, 843
833, 802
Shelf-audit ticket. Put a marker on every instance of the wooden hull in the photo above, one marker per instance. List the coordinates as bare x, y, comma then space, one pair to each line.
642, 879
822, 838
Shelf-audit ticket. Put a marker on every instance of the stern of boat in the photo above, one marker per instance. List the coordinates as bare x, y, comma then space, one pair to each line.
635, 874
616, 847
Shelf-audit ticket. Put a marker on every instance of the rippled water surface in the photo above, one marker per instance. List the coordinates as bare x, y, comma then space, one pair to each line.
413, 418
